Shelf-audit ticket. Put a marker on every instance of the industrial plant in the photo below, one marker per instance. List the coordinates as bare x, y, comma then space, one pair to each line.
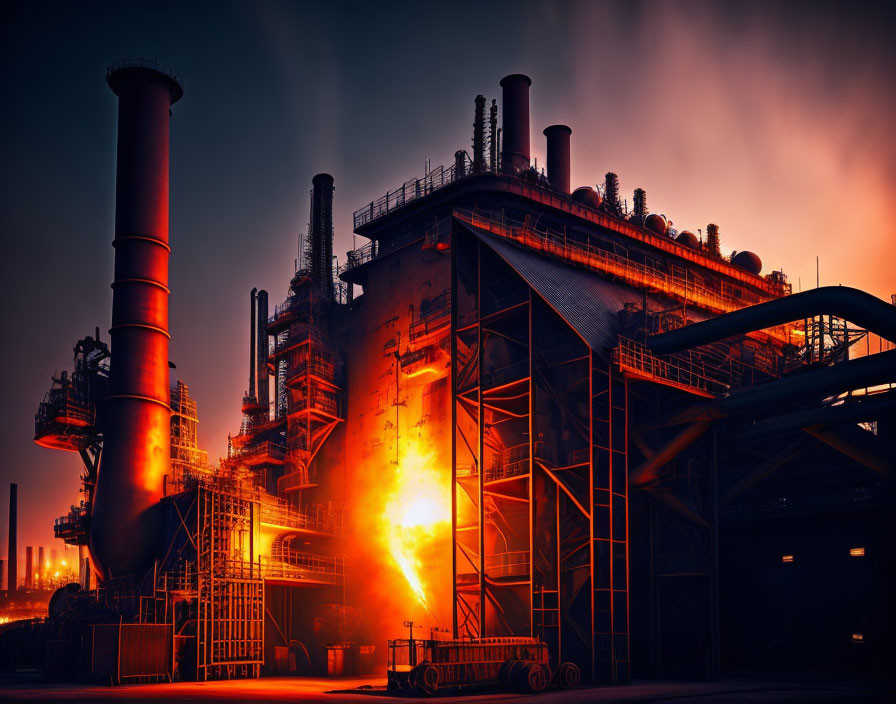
525, 423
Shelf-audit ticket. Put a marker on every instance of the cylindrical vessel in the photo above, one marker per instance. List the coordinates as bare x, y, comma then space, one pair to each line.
41, 573
12, 582
558, 137
515, 153
125, 529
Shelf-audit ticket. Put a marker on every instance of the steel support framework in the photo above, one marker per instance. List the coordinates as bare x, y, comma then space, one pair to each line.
539, 453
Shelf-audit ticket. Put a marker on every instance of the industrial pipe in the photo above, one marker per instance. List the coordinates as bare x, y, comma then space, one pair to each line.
858, 444
125, 527
558, 157
859, 373
515, 153
851, 304
12, 554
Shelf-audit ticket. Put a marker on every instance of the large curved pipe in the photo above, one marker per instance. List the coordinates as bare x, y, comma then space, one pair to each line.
856, 306
124, 531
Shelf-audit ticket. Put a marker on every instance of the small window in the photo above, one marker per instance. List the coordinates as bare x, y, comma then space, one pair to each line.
786, 558
857, 552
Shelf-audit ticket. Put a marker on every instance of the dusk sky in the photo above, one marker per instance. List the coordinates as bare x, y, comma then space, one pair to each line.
773, 120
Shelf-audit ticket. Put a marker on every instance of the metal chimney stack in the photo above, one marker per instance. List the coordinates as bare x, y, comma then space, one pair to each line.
253, 336
558, 157
261, 347
29, 567
12, 554
125, 527
515, 155
321, 230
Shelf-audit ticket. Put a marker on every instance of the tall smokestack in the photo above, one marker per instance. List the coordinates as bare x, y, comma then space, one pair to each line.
261, 347
253, 334
322, 233
41, 572
493, 136
12, 547
29, 567
515, 154
558, 156
124, 531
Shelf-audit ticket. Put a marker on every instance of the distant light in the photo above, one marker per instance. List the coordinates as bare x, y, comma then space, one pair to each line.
857, 552
786, 558
858, 638
64, 563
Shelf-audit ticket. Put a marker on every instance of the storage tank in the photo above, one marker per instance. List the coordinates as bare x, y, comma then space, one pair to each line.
688, 239
657, 223
587, 196
748, 261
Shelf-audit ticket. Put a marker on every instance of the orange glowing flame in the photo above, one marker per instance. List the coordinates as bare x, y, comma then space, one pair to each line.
417, 510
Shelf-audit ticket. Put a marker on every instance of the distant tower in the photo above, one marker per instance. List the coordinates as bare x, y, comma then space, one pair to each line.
261, 347
611, 194
640, 204
712, 240
320, 232
479, 135
12, 554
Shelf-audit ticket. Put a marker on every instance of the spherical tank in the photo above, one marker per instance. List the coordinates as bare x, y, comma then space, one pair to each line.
657, 223
688, 239
748, 261
587, 196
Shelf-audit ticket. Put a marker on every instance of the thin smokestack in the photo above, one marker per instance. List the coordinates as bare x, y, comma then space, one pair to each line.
41, 565
261, 347
29, 567
125, 527
322, 234
12, 547
558, 156
515, 154
253, 335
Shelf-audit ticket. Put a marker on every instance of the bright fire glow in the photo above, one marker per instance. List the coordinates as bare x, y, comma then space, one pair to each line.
417, 510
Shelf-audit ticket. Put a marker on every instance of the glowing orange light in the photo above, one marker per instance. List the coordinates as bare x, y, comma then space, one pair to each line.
858, 637
417, 509
786, 558
857, 552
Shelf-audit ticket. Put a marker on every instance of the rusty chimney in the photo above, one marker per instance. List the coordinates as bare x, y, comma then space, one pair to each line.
321, 231
124, 531
12, 549
558, 157
515, 154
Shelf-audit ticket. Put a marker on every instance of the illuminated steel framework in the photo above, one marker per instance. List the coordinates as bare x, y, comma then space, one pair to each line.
540, 462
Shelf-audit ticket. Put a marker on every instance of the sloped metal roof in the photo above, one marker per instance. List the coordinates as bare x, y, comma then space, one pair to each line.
588, 302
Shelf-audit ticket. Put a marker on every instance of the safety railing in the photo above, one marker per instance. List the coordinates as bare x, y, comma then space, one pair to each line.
690, 370
675, 280
412, 190
315, 518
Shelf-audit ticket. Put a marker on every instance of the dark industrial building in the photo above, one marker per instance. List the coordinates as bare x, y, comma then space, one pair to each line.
520, 410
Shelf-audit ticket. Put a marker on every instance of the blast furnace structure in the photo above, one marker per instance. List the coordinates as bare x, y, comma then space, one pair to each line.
595, 416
